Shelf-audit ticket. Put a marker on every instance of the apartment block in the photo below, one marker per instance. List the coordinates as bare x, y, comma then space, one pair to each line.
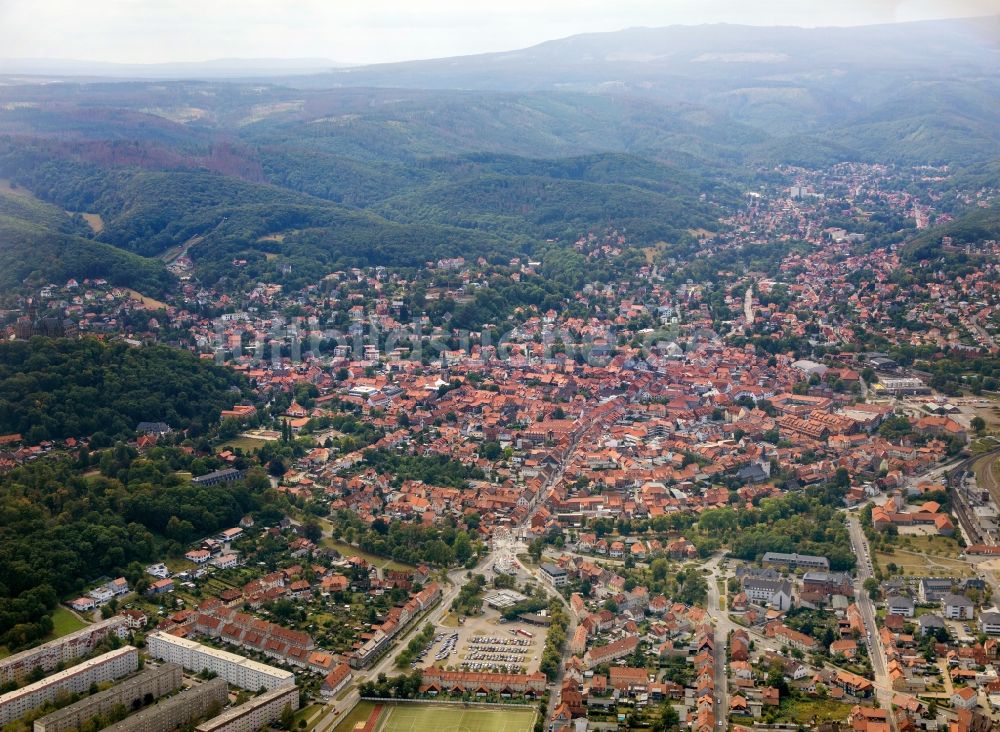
133, 694
237, 670
74, 680
178, 710
62, 650
255, 714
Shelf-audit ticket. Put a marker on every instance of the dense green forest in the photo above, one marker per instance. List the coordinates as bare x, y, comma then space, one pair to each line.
40, 243
547, 207
59, 529
288, 184
56, 388
938, 122
478, 205
33, 256
335, 177
411, 543
807, 522
434, 469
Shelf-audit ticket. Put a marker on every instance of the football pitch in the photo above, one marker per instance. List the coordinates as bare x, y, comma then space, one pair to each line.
440, 718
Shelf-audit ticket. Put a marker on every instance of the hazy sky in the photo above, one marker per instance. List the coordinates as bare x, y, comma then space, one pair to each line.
367, 31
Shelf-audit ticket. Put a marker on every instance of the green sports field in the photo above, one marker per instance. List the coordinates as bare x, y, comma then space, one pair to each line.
441, 718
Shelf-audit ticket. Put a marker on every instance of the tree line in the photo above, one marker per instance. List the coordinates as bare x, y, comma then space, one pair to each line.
58, 388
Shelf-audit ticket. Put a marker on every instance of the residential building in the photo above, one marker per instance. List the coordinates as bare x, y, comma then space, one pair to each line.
932, 589
198, 556
436, 680
899, 605
161, 587
61, 650
957, 607
226, 475
990, 622
931, 623
74, 680
139, 690
794, 561
237, 670
336, 680
776, 593
226, 561
258, 713
790, 636
820, 586
556, 575
177, 710
612, 651
629, 680
964, 698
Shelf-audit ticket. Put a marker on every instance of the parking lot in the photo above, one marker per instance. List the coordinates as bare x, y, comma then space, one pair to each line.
498, 652
486, 643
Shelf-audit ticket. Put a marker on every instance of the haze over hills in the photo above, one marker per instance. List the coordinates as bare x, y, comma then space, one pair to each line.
661, 61
222, 68
650, 129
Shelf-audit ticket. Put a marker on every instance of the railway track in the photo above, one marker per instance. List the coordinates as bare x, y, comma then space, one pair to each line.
954, 479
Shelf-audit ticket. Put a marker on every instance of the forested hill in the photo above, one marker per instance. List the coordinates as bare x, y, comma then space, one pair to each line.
60, 530
976, 225
322, 213
41, 243
653, 132
58, 388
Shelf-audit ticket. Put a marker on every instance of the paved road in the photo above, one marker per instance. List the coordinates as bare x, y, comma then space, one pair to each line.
883, 687
987, 339
455, 579
723, 626
337, 711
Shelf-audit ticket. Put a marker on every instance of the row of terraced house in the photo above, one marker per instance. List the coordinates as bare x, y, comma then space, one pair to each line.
398, 618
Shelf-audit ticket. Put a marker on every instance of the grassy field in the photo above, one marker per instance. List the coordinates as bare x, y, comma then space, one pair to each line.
809, 711
352, 551
937, 546
94, 221
64, 622
247, 444
306, 713
990, 413
147, 301
7, 187
358, 714
441, 718
922, 564
984, 444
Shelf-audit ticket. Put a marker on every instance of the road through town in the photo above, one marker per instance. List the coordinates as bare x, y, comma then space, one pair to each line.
883, 687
